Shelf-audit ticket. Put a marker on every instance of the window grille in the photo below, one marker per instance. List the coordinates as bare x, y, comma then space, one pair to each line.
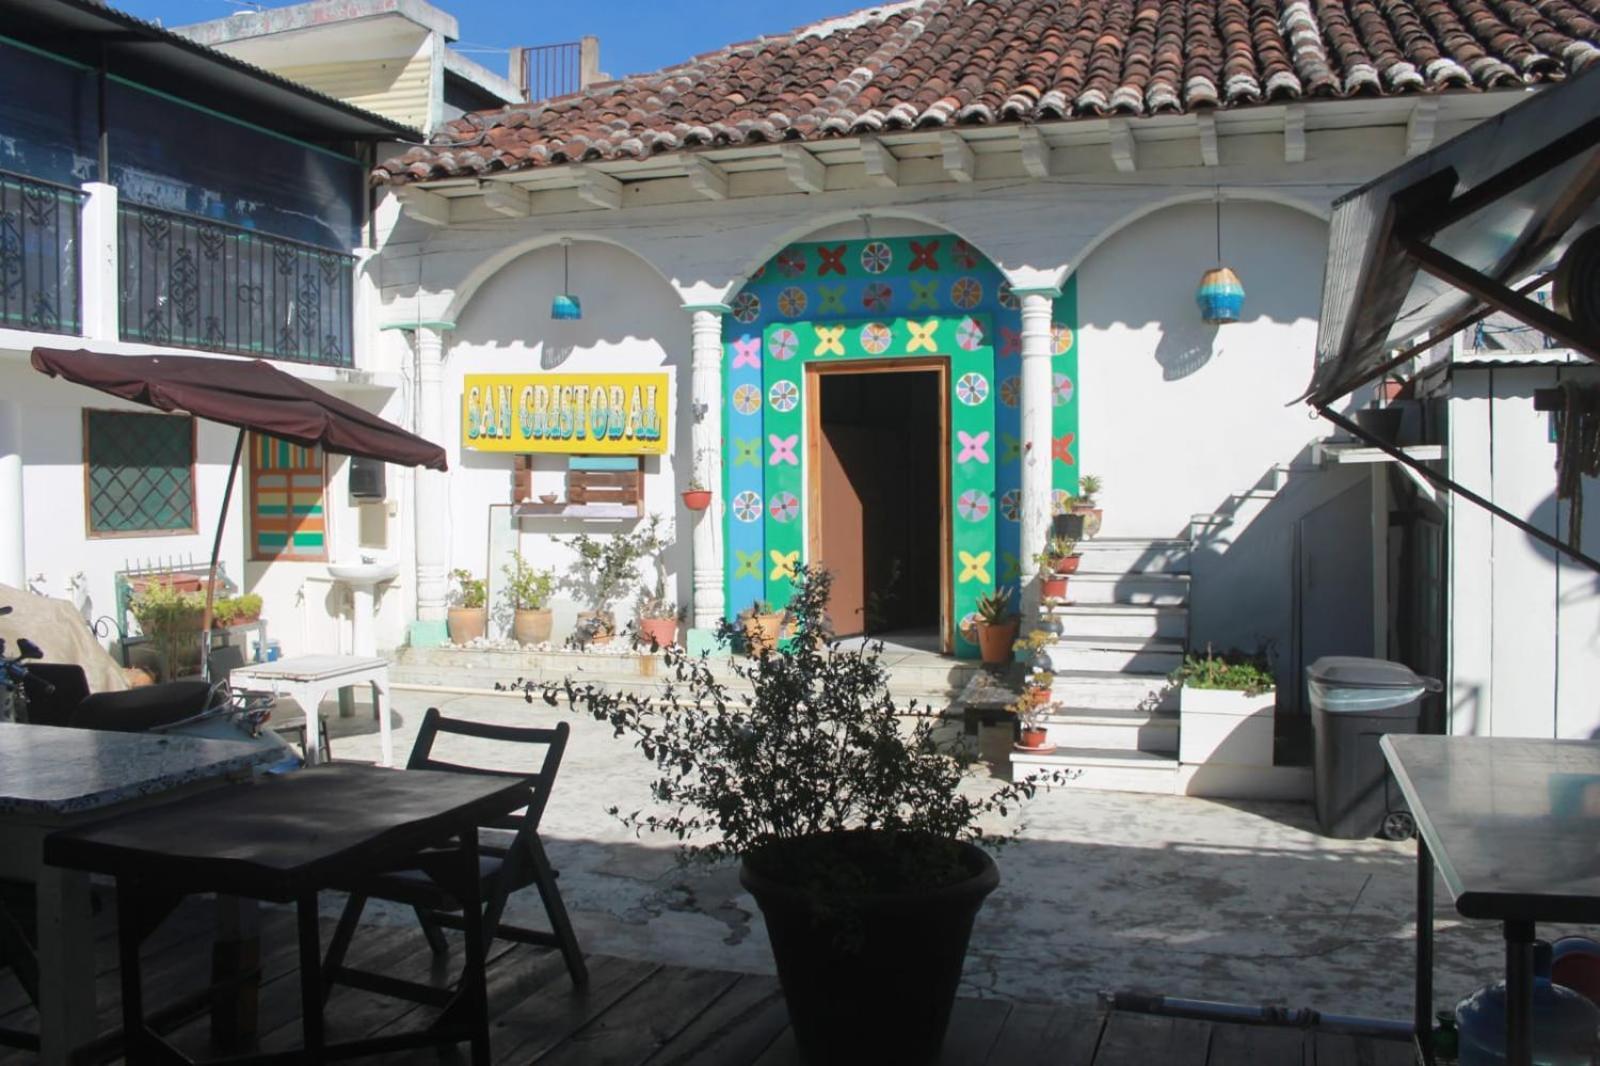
138, 473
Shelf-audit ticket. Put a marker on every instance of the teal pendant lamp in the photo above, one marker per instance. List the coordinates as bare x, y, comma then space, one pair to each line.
565, 307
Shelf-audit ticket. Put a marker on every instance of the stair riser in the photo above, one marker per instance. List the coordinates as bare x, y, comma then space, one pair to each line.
1170, 624
1158, 738
1149, 591
1131, 560
1114, 694
1158, 780
1070, 657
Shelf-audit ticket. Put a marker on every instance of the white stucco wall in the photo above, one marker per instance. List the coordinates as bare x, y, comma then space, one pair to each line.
632, 322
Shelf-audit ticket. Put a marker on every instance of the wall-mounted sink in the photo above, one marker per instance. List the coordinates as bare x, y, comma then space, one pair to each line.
365, 571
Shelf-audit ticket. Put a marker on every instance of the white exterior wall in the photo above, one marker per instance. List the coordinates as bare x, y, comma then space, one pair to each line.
1524, 622
631, 322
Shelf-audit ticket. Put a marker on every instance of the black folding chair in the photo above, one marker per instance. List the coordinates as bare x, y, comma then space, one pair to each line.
504, 868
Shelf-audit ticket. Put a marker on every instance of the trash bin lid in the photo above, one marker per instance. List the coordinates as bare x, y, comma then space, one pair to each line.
1352, 671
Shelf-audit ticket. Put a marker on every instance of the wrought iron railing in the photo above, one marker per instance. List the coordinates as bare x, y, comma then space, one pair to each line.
39, 246
552, 70
192, 282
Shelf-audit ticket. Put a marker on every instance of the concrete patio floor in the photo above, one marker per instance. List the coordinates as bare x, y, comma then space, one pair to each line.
1239, 902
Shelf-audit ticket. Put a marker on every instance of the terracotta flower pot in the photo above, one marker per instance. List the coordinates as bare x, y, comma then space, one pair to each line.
530, 627
995, 640
661, 632
761, 632
697, 499
1055, 588
466, 624
600, 623
1034, 736
1067, 564
1091, 518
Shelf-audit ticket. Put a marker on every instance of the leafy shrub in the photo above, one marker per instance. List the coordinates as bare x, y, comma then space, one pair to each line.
470, 591
1233, 669
527, 589
171, 619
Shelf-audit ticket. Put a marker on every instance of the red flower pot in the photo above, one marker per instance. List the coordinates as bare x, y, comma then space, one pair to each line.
697, 499
1055, 588
1033, 737
1068, 564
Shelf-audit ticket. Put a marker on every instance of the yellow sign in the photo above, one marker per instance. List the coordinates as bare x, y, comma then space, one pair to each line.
591, 414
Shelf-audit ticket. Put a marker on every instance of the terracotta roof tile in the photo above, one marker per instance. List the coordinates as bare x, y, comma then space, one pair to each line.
922, 64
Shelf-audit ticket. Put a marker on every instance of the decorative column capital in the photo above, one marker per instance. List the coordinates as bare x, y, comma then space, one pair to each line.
712, 308
1052, 292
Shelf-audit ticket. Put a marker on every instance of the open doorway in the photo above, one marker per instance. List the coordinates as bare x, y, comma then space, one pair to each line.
878, 485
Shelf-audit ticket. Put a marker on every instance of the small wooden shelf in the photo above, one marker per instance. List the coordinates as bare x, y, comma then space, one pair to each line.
613, 512
1357, 452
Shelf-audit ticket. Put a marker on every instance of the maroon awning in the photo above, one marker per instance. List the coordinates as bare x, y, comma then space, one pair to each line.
249, 394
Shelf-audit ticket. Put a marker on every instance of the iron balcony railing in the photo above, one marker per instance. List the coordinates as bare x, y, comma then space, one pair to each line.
552, 70
191, 282
40, 225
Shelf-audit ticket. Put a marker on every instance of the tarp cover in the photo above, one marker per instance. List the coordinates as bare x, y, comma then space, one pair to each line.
249, 394
61, 633
1505, 240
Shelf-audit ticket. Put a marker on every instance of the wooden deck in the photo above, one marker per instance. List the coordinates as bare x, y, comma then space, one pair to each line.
640, 1012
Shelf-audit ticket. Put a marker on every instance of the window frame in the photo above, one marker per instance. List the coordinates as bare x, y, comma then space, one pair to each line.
192, 529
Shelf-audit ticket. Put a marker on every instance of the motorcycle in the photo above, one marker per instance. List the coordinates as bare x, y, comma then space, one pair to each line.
45, 693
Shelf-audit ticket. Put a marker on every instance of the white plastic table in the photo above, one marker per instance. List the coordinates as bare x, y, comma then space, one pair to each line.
307, 679
54, 778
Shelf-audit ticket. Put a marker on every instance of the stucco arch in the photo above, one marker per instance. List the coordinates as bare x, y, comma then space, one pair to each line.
498, 260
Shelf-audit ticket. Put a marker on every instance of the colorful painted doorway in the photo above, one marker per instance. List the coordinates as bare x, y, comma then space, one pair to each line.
877, 481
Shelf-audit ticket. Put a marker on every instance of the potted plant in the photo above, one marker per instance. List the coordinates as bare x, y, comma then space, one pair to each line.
236, 610
528, 591
761, 627
697, 497
658, 616
171, 619
1058, 559
1226, 708
604, 567
1087, 505
856, 833
1030, 710
996, 627
467, 618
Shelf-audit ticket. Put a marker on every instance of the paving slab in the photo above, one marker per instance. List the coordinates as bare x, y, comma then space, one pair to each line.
1233, 901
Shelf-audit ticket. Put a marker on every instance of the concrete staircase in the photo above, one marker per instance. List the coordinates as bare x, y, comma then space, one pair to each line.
1122, 632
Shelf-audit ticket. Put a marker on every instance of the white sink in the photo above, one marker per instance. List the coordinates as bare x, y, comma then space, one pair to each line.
365, 571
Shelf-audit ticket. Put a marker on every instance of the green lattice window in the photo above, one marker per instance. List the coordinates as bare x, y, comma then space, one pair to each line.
139, 473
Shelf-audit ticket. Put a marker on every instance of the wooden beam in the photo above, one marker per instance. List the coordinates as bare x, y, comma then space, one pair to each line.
806, 172
1124, 149
959, 162
424, 206
1420, 126
598, 188
1294, 133
1207, 123
882, 167
505, 199
1035, 151
706, 178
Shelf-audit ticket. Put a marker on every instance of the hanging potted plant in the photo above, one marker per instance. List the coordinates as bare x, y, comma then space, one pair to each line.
1087, 505
603, 568
868, 893
467, 618
761, 627
697, 497
528, 591
996, 627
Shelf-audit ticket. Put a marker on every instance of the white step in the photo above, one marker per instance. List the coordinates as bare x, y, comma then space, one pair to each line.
1123, 555
1144, 655
1102, 771
1120, 620
1115, 730
1093, 690
1170, 590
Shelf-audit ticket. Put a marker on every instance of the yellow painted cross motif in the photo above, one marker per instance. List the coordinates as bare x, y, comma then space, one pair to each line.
784, 563
973, 567
921, 336
829, 340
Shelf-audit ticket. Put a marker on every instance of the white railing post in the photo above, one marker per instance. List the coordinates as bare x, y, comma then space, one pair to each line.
97, 263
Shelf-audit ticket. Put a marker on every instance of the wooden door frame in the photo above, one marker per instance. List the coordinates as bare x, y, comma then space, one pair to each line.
939, 365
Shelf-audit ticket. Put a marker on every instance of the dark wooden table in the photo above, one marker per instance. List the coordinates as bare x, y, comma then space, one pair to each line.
283, 839
1511, 825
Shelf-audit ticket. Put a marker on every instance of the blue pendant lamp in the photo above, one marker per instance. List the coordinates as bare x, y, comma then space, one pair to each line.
565, 307
1221, 295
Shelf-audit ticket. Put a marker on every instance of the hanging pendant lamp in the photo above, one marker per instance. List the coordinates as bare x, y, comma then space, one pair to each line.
566, 307
1221, 294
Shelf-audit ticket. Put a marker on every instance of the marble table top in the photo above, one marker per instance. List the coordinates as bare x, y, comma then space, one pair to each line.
52, 770
308, 668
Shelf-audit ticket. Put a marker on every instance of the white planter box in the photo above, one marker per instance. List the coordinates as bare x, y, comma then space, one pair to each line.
1225, 726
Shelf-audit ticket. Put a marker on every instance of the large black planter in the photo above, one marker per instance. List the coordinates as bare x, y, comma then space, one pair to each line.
872, 979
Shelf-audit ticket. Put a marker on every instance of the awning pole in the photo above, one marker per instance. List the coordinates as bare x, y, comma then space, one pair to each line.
1448, 485
216, 550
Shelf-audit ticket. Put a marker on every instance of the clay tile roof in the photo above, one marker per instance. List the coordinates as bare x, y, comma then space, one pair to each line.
937, 63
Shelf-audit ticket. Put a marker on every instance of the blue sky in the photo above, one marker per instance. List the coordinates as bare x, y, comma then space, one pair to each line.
635, 35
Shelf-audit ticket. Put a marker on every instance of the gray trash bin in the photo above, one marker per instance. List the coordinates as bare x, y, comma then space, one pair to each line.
1355, 701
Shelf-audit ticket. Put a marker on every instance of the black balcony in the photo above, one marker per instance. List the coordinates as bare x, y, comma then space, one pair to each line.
39, 226
189, 282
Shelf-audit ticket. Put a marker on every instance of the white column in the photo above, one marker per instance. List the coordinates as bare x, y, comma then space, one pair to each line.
98, 263
432, 491
1038, 307
706, 435
13, 559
